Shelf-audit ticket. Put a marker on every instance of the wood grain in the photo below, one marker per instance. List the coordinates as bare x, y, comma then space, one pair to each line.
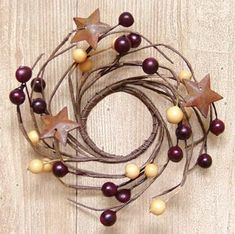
204, 32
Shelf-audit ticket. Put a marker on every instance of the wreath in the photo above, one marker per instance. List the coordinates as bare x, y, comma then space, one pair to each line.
64, 143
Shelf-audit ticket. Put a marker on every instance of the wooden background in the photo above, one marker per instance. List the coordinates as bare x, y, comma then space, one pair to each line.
204, 31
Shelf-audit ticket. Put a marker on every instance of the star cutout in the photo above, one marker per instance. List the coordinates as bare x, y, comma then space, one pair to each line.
200, 95
58, 126
89, 29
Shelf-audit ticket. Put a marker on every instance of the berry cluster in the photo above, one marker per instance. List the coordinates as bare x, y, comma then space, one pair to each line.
155, 77
17, 96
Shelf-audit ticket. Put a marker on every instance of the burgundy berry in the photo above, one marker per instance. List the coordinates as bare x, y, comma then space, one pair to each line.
217, 126
150, 65
17, 96
122, 45
183, 132
109, 189
39, 106
175, 153
135, 39
60, 169
123, 195
23, 74
108, 218
126, 19
38, 84
204, 160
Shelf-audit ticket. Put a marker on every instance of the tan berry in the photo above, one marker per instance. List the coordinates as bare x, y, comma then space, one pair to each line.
47, 166
151, 170
35, 166
157, 206
132, 171
174, 115
34, 137
86, 66
184, 75
79, 55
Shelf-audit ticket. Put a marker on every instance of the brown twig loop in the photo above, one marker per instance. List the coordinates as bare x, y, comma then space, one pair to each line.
164, 83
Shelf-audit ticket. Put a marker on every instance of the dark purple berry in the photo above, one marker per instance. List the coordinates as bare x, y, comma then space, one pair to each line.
204, 160
183, 132
39, 106
108, 217
109, 189
126, 19
175, 153
60, 169
135, 39
17, 96
38, 85
150, 65
122, 45
23, 74
123, 195
217, 126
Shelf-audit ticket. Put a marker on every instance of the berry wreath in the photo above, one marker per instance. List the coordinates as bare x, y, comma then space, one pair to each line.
184, 94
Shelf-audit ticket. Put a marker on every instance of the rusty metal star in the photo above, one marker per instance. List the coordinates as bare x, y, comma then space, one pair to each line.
58, 126
201, 95
89, 29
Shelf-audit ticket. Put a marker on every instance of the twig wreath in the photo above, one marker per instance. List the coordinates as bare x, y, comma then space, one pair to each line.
186, 96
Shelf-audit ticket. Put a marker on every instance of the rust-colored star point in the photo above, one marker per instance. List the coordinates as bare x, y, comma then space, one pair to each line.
89, 29
58, 126
200, 95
